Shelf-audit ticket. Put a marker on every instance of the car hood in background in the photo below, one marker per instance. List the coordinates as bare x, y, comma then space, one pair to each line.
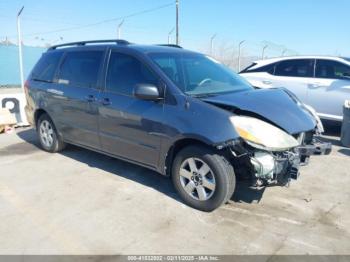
275, 105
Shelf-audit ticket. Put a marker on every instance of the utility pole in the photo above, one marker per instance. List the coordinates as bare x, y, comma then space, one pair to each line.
169, 35
20, 48
177, 22
212, 43
239, 55
120, 28
263, 51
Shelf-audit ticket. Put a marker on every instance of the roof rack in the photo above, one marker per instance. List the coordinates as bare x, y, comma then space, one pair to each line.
171, 45
83, 43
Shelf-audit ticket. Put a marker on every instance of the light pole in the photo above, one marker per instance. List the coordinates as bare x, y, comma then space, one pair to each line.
212, 43
239, 55
120, 28
169, 34
177, 22
263, 51
20, 48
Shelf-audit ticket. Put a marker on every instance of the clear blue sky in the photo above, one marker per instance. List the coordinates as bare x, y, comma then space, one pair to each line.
306, 26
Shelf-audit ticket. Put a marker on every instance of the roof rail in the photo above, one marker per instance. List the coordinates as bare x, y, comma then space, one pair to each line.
171, 45
82, 43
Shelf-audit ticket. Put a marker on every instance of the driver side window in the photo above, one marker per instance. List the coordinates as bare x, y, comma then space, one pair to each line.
125, 72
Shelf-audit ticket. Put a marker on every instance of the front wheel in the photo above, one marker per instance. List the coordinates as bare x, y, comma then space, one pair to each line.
204, 179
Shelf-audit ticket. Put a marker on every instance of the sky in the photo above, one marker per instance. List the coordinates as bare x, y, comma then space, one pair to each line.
299, 26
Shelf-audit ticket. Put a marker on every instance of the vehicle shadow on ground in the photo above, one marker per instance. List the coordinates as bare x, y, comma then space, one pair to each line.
243, 193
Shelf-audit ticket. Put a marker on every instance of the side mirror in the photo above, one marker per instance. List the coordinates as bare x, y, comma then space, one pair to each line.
147, 92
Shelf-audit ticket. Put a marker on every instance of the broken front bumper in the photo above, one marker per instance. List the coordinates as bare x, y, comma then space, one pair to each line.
281, 167
275, 168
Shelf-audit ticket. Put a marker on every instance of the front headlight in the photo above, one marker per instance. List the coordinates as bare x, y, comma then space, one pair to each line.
262, 135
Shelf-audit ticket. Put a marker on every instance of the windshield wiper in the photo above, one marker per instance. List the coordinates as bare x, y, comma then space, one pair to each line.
204, 95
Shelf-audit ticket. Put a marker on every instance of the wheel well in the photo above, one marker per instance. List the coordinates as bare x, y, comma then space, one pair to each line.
38, 114
177, 147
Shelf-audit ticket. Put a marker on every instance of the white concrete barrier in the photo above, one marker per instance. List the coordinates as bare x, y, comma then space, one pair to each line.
15, 102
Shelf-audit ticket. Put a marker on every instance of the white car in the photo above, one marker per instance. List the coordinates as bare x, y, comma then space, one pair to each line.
322, 82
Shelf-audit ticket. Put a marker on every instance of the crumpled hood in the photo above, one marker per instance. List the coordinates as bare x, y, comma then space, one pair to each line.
272, 104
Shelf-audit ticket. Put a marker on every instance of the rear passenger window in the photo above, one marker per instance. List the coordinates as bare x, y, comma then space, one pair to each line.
46, 67
81, 69
332, 69
295, 68
125, 72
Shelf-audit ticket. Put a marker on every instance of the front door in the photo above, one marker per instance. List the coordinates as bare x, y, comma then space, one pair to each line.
78, 101
330, 88
130, 127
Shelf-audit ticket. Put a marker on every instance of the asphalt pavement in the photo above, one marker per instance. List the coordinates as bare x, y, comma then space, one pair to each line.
82, 202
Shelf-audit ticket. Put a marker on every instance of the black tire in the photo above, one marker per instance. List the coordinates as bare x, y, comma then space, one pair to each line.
57, 142
222, 171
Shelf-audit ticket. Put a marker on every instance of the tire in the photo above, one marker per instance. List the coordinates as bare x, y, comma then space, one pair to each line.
190, 176
49, 139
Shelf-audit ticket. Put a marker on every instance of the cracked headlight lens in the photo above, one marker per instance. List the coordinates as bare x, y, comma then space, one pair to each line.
262, 135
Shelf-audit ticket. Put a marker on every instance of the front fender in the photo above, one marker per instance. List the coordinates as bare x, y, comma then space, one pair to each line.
196, 119
191, 118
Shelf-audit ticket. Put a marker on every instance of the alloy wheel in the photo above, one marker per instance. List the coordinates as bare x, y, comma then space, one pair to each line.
197, 179
46, 133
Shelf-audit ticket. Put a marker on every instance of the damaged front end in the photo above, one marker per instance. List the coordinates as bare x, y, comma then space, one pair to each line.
275, 168
268, 155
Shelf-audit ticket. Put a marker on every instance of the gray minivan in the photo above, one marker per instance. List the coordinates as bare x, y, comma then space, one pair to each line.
178, 112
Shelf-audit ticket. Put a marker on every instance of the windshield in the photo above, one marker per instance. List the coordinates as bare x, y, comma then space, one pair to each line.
199, 75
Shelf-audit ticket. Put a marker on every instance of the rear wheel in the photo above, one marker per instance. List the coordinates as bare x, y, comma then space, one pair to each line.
48, 136
203, 178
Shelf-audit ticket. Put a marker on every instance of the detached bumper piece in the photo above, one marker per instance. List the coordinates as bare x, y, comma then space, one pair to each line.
317, 147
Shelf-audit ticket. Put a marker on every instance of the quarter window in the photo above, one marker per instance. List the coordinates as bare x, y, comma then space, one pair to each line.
332, 69
46, 67
125, 72
81, 68
295, 68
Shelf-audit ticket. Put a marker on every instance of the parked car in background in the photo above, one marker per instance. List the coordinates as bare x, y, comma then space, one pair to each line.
322, 82
174, 111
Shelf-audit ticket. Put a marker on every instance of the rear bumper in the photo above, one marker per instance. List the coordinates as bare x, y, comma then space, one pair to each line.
29, 114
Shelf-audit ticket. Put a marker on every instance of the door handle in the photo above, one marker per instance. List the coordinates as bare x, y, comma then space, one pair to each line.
267, 82
90, 98
105, 101
315, 85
